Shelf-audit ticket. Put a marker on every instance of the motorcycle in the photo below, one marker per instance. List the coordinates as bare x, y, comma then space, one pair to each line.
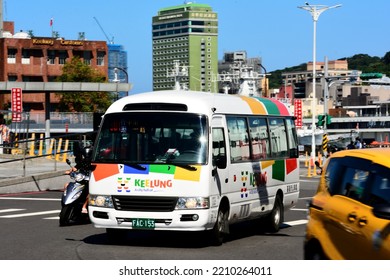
73, 198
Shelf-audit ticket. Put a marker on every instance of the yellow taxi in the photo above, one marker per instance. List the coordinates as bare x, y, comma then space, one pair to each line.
349, 216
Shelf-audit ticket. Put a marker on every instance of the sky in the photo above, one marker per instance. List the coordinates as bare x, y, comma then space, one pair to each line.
277, 31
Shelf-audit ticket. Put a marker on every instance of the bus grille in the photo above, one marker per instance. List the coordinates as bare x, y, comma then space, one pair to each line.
150, 204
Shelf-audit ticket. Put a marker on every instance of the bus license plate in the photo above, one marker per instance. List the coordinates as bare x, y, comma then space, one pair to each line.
140, 223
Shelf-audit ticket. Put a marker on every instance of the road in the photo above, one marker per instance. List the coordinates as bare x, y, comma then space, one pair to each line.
30, 231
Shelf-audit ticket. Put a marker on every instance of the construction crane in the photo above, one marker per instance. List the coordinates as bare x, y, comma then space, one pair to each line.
101, 28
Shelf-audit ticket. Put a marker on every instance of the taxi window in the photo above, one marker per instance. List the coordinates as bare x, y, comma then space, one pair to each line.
354, 183
380, 188
332, 176
347, 176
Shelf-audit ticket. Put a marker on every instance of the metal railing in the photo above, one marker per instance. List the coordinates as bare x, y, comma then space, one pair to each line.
25, 150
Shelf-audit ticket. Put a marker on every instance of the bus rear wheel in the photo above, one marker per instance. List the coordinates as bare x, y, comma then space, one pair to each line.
275, 218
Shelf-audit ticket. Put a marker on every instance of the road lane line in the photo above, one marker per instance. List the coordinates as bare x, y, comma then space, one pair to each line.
11, 210
30, 198
298, 209
296, 223
52, 218
31, 214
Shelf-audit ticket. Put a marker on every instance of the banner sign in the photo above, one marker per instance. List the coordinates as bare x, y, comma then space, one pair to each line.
16, 104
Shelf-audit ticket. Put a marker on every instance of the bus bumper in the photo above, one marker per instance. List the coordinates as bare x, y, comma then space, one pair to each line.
179, 220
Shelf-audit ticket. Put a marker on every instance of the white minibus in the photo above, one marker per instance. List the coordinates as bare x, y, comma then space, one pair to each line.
193, 161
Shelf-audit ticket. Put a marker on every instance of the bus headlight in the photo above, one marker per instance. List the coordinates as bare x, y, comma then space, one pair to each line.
192, 203
100, 201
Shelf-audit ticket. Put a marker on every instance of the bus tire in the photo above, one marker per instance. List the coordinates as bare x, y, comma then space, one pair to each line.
221, 227
275, 218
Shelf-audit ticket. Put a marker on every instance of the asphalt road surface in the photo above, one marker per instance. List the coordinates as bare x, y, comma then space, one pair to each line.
30, 231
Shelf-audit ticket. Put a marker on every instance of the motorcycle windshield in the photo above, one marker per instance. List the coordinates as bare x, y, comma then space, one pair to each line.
145, 138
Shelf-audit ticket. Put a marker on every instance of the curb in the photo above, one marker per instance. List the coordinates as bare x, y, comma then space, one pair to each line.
41, 182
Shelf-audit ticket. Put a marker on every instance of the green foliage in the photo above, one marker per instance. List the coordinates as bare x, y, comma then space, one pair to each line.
77, 71
362, 62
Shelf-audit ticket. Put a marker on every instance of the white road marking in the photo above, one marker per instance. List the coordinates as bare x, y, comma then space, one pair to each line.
11, 210
298, 209
30, 198
52, 218
296, 223
31, 214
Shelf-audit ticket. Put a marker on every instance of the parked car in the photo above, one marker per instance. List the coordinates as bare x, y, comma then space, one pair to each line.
349, 216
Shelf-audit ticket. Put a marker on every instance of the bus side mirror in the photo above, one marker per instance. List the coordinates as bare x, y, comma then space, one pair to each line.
219, 162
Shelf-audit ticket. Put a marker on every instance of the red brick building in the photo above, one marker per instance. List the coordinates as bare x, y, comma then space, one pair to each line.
40, 59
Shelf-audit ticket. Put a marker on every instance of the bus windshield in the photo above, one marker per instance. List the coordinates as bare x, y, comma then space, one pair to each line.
137, 138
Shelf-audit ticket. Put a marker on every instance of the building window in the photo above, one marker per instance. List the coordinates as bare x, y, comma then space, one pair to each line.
25, 56
63, 55
11, 59
87, 58
12, 78
100, 58
51, 57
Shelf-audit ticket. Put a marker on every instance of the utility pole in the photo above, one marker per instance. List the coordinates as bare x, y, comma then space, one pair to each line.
315, 11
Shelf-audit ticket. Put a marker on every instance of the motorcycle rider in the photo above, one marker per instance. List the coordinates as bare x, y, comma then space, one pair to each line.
83, 163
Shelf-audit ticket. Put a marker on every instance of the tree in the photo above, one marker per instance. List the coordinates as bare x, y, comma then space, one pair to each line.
386, 58
77, 71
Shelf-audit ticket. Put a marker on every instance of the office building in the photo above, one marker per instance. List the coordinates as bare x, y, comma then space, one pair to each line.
186, 36
40, 59
117, 65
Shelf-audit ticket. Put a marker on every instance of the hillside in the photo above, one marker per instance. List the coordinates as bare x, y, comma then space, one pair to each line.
362, 62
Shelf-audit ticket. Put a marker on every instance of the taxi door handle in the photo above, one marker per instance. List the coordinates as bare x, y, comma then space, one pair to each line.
352, 217
362, 221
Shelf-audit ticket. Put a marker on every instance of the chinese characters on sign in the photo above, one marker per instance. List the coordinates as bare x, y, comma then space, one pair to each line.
17, 106
298, 112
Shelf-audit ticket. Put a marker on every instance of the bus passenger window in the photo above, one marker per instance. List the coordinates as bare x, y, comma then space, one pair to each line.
278, 137
239, 139
259, 138
292, 139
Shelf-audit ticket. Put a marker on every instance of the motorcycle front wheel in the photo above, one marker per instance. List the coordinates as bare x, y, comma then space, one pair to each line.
66, 215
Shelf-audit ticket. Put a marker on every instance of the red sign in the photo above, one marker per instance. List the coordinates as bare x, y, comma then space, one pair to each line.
298, 112
16, 104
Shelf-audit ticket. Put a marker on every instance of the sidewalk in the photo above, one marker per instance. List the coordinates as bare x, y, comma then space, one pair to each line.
28, 167
37, 174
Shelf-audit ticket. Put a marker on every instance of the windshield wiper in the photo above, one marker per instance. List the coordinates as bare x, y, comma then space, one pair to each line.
185, 166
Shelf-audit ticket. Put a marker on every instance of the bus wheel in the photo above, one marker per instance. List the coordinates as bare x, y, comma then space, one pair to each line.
275, 219
221, 227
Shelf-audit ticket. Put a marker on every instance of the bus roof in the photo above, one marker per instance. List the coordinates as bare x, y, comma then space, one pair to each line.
201, 102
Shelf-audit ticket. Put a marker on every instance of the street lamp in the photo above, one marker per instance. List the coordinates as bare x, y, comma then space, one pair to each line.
116, 76
315, 11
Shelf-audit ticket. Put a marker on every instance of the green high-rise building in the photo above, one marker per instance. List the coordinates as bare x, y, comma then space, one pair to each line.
186, 35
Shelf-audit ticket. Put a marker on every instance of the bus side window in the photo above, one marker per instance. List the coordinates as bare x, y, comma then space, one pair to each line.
292, 139
278, 137
259, 138
219, 148
239, 138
